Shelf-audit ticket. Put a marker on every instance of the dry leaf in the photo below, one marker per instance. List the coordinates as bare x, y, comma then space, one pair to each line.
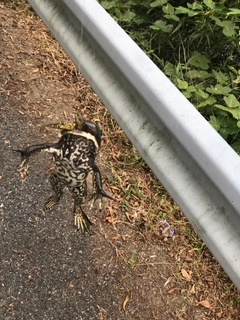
185, 274
192, 290
219, 314
125, 302
171, 290
204, 303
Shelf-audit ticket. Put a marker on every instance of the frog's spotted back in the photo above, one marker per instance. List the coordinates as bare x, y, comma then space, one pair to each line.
74, 155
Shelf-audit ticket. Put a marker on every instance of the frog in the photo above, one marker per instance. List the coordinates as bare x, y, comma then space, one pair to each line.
74, 156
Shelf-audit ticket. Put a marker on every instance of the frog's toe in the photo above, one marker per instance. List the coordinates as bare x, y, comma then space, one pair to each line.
51, 202
95, 199
23, 170
82, 222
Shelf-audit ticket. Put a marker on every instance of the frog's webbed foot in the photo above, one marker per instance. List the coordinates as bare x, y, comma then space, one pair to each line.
81, 220
25, 155
97, 197
52, 201
23, 169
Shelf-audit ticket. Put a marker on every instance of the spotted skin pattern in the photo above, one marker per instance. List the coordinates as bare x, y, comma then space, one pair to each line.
74, 156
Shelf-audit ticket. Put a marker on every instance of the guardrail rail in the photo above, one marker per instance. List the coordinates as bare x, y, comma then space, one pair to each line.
197, 167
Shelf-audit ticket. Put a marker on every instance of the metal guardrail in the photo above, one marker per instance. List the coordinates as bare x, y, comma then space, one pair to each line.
197, 167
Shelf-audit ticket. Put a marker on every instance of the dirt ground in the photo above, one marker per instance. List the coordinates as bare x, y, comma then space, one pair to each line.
123, 269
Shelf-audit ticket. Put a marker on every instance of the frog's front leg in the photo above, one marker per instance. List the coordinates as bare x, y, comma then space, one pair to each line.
27, 152
57, 186
79, 194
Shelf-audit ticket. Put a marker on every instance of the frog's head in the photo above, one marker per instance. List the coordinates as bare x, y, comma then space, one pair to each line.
88, 126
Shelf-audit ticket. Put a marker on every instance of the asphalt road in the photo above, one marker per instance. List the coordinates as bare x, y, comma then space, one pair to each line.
45, 263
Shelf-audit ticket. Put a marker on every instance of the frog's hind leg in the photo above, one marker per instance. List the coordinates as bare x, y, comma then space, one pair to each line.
79, 194
98, 192
57, 187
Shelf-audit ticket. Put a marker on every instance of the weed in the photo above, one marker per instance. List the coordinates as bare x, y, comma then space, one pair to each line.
183, 39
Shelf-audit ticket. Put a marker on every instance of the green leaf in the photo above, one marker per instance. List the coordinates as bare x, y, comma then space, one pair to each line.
171, 70
229, 28
158, 25
203, 94
231, 101
108, 4
235, 112
168, 28
233, 11
191, 89
161, 25
209, 3
223, 132
236, 146
198, 74
169, 9
219, 7
128, 16
207, 102
215, 123
182, 84
158, 3
230, 124
183, 10
219, 89
188, 95
199, 60
221, 77
195, 6
171, 17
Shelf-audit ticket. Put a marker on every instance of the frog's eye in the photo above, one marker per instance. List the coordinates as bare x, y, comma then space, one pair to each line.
94, 130
88, 126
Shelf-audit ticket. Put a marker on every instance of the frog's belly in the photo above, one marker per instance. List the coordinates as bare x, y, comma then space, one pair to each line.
70, 176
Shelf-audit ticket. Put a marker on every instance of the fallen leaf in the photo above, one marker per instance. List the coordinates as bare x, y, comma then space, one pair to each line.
185, 274
219, 314
171, 290
204, 303
192, 290
125, 302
